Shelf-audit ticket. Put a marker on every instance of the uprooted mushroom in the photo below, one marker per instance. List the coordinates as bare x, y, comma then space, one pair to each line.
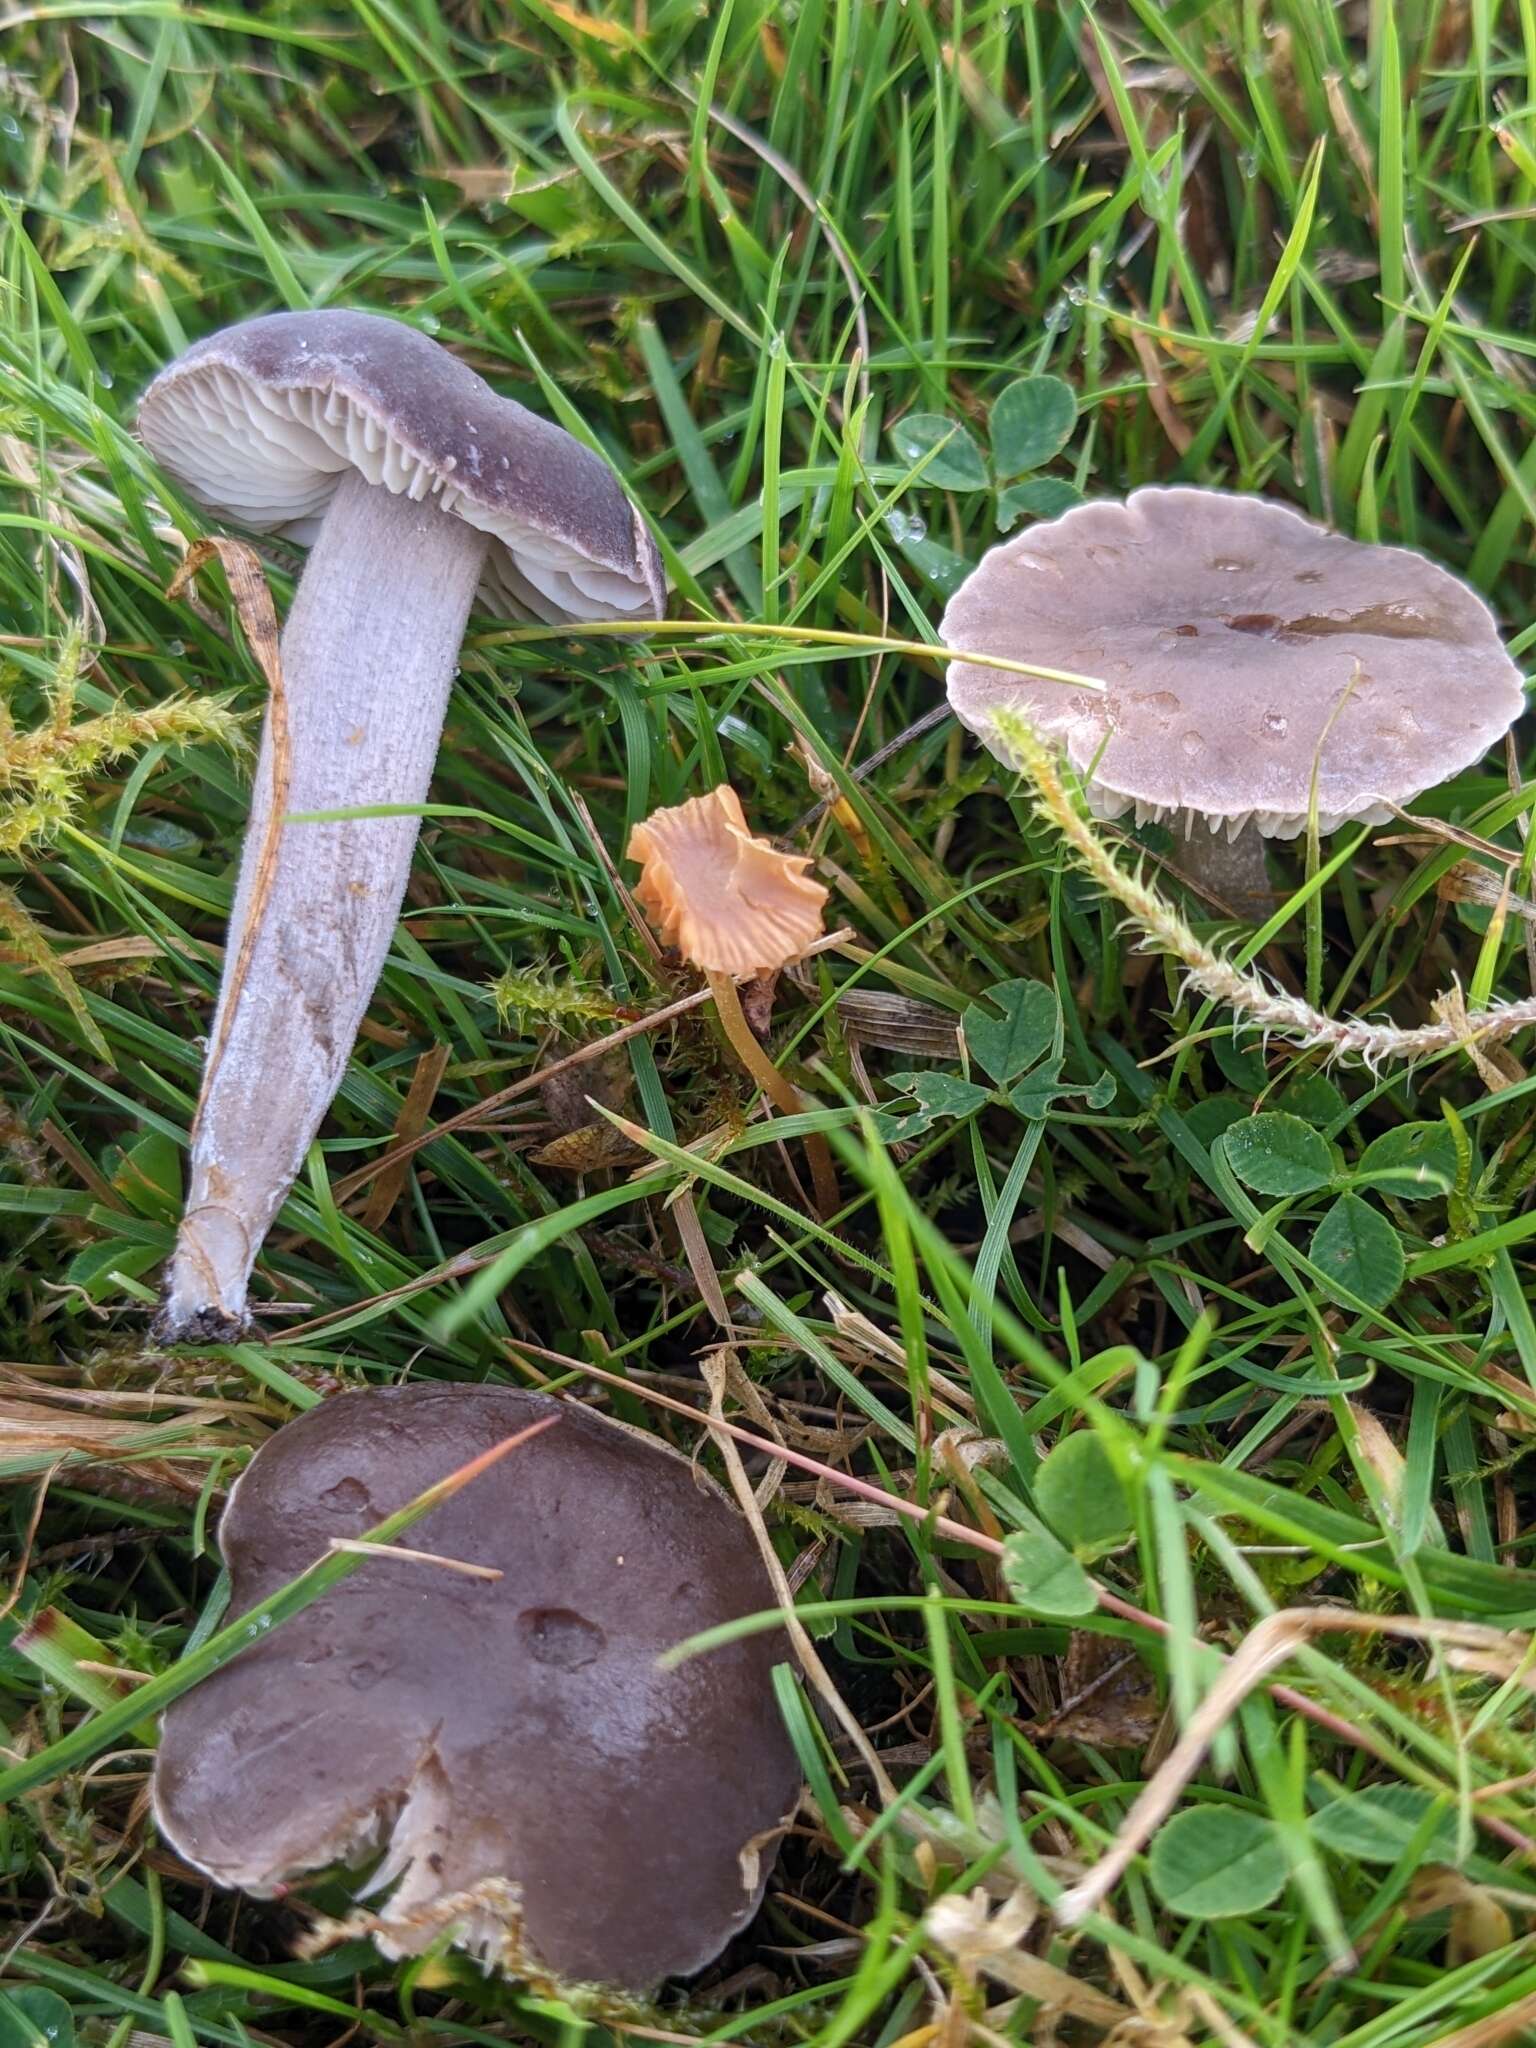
417, 485
1259, 668
532, 1782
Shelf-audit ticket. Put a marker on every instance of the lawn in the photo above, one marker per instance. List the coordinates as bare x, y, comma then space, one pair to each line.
1164, 1364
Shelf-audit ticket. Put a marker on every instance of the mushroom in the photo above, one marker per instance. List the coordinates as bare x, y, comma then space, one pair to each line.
733, 905
1246, 651
535, 1784
416, 483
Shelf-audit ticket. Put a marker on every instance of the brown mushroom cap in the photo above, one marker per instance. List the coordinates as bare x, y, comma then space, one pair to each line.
476, 1731
260, 420
1240, 644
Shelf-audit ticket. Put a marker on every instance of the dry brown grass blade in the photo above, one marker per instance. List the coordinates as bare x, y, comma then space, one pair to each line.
31, 1430
896, 1023
51, 1430
412, 1121
24, 1561
258, 621
1160, 395
541, 1076
458, 1565
713, 1368
477, 1112
701, 1264
987, 1943
1509, 2025
62, 1383
106, 952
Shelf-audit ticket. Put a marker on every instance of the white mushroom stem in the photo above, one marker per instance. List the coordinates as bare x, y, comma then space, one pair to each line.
369, 654
1233, 872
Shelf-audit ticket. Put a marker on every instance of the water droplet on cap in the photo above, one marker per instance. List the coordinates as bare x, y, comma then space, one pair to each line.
1158, 708
561, 1639
350, 1496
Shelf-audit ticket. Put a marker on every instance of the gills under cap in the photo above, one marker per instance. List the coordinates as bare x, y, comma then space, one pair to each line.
537, 1784
1241, 645
259, 422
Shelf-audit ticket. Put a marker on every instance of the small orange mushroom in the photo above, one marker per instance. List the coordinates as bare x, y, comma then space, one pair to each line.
732, 905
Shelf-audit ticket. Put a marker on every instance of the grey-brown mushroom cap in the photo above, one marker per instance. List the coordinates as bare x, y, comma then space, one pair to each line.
1240, 643
474, 1730
258, 422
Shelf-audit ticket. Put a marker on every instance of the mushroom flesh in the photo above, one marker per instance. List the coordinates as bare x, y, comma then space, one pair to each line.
730, 902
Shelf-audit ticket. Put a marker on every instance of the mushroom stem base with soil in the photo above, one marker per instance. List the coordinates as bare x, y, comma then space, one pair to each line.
776, 1086
1233, 871
383, 602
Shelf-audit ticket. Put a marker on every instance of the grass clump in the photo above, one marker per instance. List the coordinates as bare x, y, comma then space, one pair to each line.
844, 292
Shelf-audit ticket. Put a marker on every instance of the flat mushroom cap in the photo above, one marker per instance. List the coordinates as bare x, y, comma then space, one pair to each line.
730, 902
260, 420
481, 1731
1240, 644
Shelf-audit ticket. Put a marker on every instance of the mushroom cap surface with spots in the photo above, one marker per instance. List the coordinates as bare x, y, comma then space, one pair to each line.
259, 421
515, 1732
1241, 646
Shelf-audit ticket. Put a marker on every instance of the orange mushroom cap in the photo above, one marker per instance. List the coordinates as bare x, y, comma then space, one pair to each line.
729, 902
